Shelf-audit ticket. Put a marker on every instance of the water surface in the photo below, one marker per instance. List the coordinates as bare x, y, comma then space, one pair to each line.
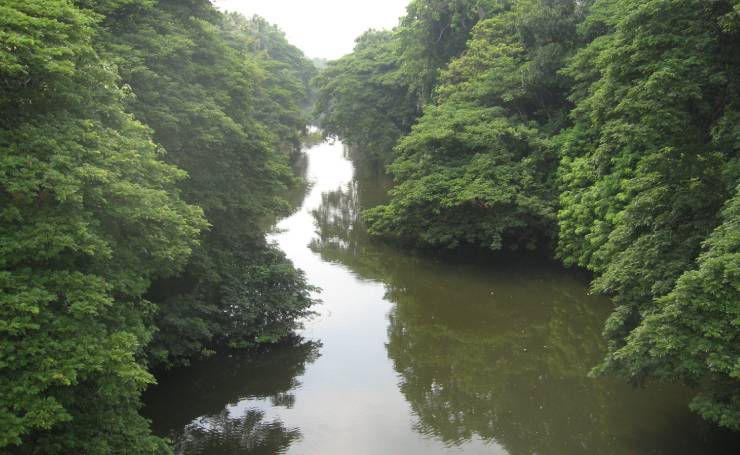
416, 354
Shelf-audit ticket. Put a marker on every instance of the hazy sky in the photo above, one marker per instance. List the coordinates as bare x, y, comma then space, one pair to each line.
322, 28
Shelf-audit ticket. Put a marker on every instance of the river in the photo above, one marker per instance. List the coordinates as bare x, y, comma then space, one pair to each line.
411, 353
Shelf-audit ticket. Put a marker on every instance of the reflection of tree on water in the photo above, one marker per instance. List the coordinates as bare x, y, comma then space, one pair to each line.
225, 434
337, 218
502, 351
497, 376
340, 234
297, 192
219, 405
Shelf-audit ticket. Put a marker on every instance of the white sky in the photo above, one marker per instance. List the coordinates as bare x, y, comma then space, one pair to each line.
322, 28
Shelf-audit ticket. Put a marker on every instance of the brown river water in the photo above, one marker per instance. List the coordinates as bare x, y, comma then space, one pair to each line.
413, 353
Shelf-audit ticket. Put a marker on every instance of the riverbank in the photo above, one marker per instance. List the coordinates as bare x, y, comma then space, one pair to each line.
412, 353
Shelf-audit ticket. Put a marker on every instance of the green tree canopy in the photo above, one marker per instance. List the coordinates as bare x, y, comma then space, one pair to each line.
222, 94
365, 99
478, 167
104, 244
91, 215
645, 172
605, 128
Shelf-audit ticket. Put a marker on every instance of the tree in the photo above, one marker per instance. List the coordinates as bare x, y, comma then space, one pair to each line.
222, 94
608, 127
90, 216
691, 334
433, 32
478, 167
364, 98
646, 169
103, 248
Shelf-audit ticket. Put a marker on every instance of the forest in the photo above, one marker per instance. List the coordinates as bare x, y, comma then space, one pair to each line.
146, 147
605, 132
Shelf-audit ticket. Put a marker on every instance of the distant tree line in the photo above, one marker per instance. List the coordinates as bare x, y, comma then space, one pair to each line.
144, 148
604, 130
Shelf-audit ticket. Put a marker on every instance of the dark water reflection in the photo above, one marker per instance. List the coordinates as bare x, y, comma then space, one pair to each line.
423, 354
223, 404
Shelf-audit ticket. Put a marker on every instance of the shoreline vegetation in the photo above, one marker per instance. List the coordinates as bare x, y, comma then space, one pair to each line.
603, 131
144, 144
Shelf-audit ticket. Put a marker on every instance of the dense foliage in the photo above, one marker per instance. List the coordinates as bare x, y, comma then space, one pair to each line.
365, 99
479, 165
647, 167
106, 241
371, 97
223, 96
432, 33
605, 130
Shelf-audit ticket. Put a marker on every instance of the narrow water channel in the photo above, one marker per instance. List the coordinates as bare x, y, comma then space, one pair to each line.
413, 354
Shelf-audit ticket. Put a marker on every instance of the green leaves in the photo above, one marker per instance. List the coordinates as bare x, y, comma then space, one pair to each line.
610, 125
42, 38
467, 175
93, 211
642, 183
223, 94
477, 168
692, 331
365, 99
434, 32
